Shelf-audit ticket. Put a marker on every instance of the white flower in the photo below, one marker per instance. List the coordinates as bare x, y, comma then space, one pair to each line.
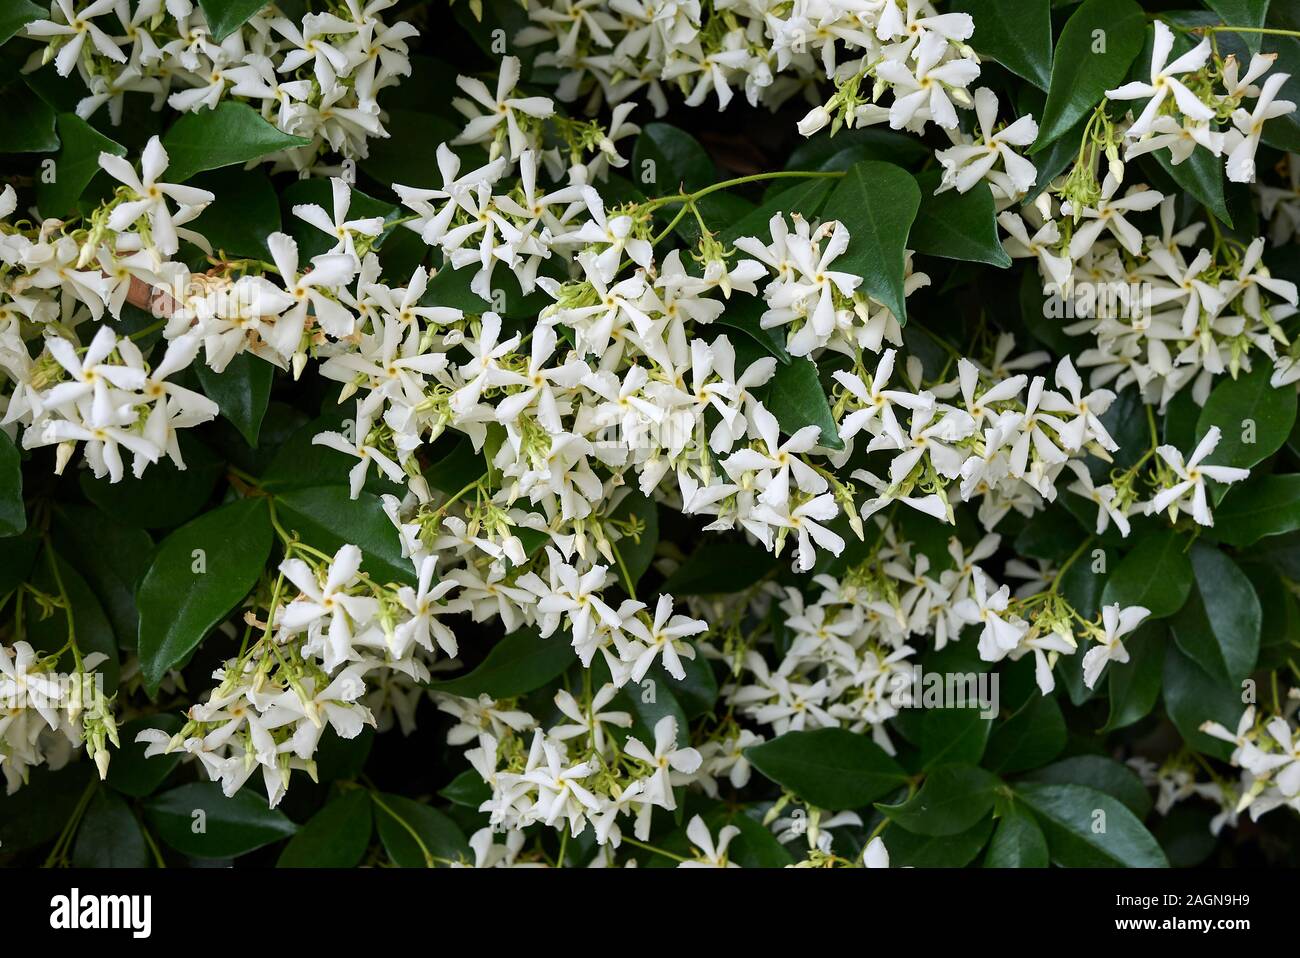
1187, 493
500, 108
710, 855
1116, 623
669, 763
1164, 81
151, 196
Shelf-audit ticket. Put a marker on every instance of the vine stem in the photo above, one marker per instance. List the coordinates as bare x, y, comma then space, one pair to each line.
651, 848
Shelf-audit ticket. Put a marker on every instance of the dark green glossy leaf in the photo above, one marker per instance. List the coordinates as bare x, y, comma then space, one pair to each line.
335, 837
1193, 697
830, 767
951, 800
198, 576
1156, 574
75, 166
226, 16
1019, 35
877, 202
957, 225
242, 390
210, 139
1086, 828
112, 555
327, 518
1135, 685
951, 736
1092, 55
109, 835
410, 829
1261, 506
1254, 417
1033, 736
1017, 842
909, 850
198, 821
1103, 774
130, 772
1219, 626
795, 396
516, 665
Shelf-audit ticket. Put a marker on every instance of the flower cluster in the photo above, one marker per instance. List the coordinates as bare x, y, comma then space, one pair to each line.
318, 79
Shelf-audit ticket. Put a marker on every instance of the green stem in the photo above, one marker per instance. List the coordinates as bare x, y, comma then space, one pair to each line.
651, 848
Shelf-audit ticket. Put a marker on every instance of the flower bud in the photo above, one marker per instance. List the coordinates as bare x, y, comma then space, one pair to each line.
816, 119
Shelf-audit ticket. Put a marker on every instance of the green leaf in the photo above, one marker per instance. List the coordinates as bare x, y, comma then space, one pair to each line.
27, 124
830, 767
1101, 773
745, 313
327, 518
1086, 828
335, 837
199, 821
1193, 697
951, 800
877, 202
398, 818
226, 16
112, 555
1156, 575
957, 225
1201, 175
910, 850
1019, 35
1254, 417
130, 772
716, 568
1033, 736
75, 166
109, 835
199, 574
952, 736
516, 665
241, 390
825, 152
164, 496
1220, 624
1242, 13
794, 395
13, 513
467, 789
1135, 685
650, 700
210, 139
1093, 54
670, 160
1261, 506
755, 846
1018, 842
806, 197
16, 15
246, 212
